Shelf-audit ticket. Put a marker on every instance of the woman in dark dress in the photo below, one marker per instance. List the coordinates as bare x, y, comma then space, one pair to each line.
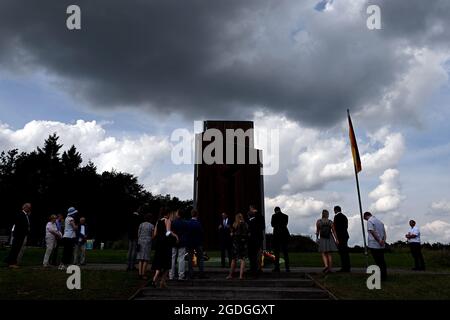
163, 252
239, 233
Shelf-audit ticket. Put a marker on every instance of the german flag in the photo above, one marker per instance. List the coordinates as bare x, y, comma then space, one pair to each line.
354, 145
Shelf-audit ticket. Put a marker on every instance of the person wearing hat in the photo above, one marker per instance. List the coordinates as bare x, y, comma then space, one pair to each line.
69, 238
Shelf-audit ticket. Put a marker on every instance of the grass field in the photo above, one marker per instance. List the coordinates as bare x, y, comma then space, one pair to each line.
30, 282
36, 283
397, 287
400, 259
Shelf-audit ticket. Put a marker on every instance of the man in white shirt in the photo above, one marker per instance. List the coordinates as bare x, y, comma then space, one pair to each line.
376, 242
413, 238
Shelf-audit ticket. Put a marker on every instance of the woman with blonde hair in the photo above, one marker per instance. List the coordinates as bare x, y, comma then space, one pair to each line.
239, 234
51, 237
327, 240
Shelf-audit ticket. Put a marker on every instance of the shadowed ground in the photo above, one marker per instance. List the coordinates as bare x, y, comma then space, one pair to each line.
104, 278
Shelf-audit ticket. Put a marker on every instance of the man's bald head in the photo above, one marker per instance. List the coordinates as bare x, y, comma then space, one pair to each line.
27, 207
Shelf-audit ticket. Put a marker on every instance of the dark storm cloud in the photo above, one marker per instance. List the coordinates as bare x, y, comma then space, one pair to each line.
423, 23
212, 59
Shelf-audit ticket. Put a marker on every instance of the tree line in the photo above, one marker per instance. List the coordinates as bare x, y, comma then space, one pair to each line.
53, 181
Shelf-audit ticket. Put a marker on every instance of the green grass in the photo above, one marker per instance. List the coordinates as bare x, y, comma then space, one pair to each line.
30, 282
38, 284
435, 261
397, 287
33, 256
399, 259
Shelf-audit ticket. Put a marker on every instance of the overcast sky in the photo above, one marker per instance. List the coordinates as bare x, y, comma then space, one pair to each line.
138, 70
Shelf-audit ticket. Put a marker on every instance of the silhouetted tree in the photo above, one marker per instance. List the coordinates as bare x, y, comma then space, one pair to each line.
53, 182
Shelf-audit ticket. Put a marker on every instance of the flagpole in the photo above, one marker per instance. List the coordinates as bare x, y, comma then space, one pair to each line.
362, 218
360, 208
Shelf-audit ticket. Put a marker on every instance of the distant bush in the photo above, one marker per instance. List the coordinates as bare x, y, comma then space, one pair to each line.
297, 243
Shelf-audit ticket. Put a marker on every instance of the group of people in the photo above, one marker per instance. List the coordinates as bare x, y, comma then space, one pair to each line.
69, 232
244, 238
174, 239
333, 236
241, 239
177, 239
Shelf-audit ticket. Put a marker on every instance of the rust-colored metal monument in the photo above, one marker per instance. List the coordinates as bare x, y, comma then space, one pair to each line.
224, 187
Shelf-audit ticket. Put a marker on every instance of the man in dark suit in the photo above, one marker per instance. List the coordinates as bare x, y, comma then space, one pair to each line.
20, 233
281, 235
134, 221
256, 227
195, 235
341, 227
225, 239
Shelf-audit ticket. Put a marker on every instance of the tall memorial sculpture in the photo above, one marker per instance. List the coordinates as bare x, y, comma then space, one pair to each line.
232, 182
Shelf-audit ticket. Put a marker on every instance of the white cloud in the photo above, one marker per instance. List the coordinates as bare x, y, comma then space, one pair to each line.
132, 155
298, 204
387, 195
179, 184
303, 211
441, 206
355, 230
386, 156
311, 158
143, 155
436, 231
388, 198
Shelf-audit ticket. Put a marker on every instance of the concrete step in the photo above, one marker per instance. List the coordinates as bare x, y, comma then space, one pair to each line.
232, 293
261, 282
216, 274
